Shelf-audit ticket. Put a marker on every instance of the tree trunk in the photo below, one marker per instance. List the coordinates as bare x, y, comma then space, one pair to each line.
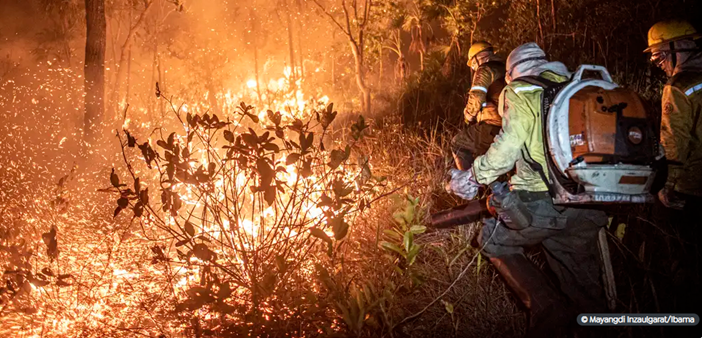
94, 71
553, 15
253, 19
116, 96
333, 69
300, 29
129, 71
292, 51
421, 60
380, 60
360, 78
538, 20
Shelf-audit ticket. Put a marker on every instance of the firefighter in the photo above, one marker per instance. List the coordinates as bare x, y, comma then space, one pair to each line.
480, 114
568, 235
673, 49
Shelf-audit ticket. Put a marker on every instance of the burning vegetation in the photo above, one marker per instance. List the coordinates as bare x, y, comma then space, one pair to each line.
181, 168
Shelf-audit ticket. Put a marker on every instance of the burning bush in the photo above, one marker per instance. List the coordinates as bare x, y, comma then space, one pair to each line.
242, 213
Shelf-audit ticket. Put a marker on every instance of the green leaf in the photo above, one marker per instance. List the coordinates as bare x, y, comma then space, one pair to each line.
458, 255
621, 231
418, 229
480, 263
393, 247
412, 254
393, 234
448, 306
408, 240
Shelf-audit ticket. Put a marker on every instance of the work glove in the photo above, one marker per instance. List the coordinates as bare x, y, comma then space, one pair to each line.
670, 198
463, 184
468, 117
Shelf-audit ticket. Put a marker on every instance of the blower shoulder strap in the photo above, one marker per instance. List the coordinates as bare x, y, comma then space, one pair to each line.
537, 81
537, 167
551, 88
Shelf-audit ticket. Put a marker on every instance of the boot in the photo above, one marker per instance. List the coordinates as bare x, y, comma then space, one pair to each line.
549, 315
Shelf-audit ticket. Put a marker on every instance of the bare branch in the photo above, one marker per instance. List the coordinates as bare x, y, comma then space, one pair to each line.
348, 23
327, 13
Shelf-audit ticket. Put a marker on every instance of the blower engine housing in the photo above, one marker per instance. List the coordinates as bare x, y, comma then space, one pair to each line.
600, 141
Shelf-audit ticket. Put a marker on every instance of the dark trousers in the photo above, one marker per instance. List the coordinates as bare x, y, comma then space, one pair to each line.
474, 140
568, 237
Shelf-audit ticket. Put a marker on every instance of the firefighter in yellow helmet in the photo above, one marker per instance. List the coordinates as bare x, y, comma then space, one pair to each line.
673, 49
482, 120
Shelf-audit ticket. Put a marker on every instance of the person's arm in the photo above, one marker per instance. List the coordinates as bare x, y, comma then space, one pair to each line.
517, 122
477, 96
676, 125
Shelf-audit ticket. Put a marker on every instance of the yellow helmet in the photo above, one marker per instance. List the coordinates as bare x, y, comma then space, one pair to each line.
670, 31
478, 47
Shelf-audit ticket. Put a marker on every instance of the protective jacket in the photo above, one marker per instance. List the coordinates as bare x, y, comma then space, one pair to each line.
521, 138
484, 94
681, 130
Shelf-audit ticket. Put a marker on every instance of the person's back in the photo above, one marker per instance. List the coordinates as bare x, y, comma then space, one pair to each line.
481, 117
527, 215
524, 126
483, 98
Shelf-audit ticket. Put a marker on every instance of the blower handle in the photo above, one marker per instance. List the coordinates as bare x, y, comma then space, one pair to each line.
604, 73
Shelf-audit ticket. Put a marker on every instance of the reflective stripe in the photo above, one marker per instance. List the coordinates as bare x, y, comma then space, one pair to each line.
693, 89
484, 104
482, 89
526, 89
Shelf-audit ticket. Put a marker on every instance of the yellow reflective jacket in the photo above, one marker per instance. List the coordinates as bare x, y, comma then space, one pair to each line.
484, 93
681, 130
520, 108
